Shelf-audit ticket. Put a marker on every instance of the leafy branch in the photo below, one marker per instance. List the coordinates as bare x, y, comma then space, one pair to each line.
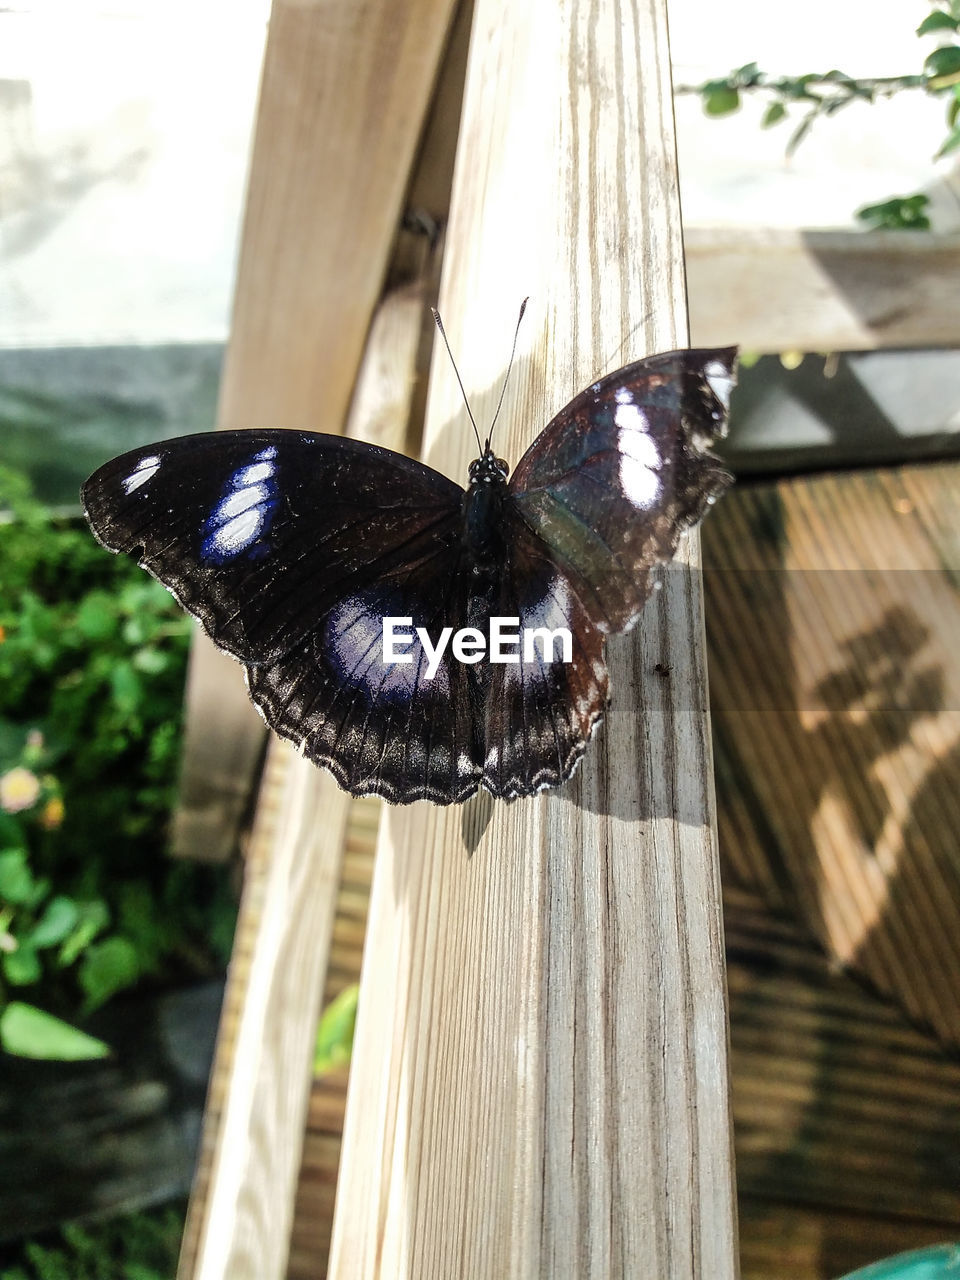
819, 94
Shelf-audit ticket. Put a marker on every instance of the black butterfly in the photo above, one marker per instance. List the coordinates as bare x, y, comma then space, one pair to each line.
291, 548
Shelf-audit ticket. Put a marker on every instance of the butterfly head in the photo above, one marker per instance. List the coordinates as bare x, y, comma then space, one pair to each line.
488, 469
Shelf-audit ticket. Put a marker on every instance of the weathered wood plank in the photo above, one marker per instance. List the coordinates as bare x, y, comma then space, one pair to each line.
846, 751
344, 91
539, 1083
243, 1202
786, 290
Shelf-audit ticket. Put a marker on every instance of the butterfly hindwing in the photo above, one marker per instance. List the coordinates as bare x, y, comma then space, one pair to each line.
394, 729
541, 710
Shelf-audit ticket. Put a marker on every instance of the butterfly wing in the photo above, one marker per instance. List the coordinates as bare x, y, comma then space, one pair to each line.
612, 482
396, 729
540, 711
260, 533
595, 503
290, 548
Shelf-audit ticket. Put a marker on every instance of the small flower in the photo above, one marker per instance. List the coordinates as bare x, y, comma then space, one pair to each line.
19, 789
35, 740
52, 814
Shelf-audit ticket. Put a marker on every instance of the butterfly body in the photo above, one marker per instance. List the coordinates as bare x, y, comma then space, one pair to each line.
293, 549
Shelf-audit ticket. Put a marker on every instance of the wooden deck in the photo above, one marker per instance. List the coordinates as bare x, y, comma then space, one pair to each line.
832, 615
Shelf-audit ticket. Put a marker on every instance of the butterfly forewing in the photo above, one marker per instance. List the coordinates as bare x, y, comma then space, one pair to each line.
259, 533
615, 478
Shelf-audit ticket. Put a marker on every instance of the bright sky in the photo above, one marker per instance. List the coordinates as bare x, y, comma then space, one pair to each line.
125, 126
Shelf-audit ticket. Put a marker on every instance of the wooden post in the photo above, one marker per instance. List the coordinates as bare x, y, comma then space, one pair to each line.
539, 1085
344, 93
241, 1207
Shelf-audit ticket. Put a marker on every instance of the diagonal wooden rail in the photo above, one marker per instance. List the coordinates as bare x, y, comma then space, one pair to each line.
539, 1085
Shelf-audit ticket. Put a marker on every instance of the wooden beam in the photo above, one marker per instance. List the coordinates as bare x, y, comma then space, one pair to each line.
241, 1209
539, 1084
342, 101
794, 290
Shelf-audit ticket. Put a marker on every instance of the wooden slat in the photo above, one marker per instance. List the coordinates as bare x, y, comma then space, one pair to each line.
847, 1117
795, 290
539, 1082
344, 91
783, 1242
845, 752
243, 1201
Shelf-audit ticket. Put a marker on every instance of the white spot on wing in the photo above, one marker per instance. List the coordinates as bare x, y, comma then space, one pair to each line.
245, 510
237, 533
145, 469
720, 380
640, 459
630, 417
639, 446
623, 396
465, 766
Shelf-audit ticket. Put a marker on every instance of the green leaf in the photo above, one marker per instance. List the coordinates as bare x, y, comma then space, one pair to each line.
60, 915
800, 132
22, 967
29, 1032
94, 916
106, 968
97, 616
16, 879
335, 1032
150, 661
937, 21
951, 142
901, 213
774, 113
721, 100
943, 62
126, 686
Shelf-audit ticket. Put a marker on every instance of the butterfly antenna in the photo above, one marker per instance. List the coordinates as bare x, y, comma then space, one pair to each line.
443, 335
513, 352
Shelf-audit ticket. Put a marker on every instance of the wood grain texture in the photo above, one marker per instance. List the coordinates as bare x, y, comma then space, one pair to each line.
343, 96
846, 752
540, 1076
243, 1201
786, 290
242, 1207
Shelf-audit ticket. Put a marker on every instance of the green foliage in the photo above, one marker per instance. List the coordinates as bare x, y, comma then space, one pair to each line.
804, 99
335, 1032
29, 1032
901, 213
138, 1246
92, 664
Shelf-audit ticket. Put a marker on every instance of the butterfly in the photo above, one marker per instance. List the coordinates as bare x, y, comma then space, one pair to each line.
332, 569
